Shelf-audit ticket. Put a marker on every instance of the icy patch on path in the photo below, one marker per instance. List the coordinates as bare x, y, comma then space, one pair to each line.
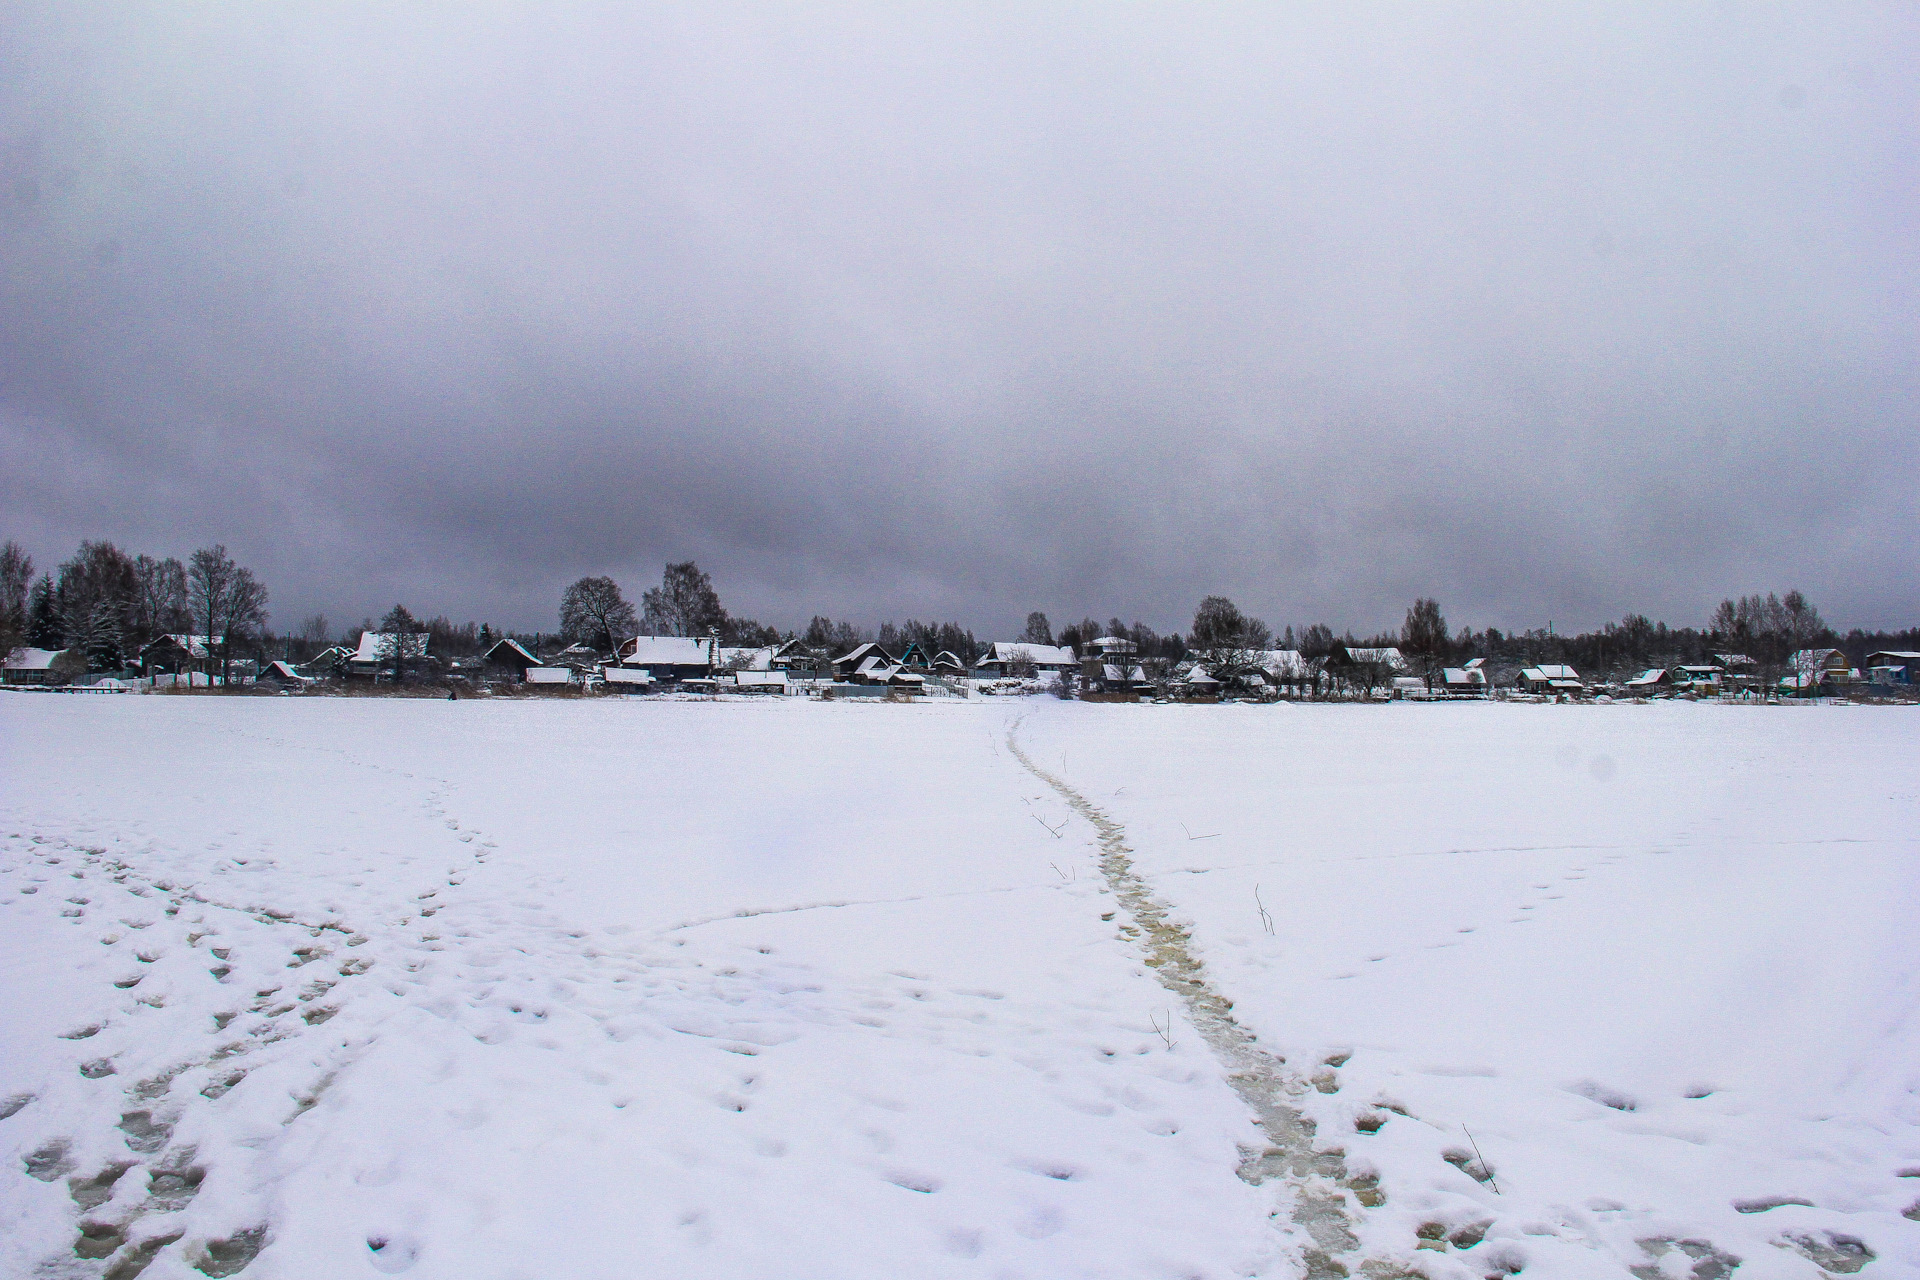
1260, 1078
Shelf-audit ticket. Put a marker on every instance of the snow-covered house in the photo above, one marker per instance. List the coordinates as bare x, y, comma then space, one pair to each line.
945, 663
330, 661
1469, 681
670, 659
1814, 669
1289, 667
1698, 677
862, 657
283, 674
378, 651
510, 658
1892, 666
1195, 686
31, 666
1550, 678
1004, 656
1654, 680
176, 653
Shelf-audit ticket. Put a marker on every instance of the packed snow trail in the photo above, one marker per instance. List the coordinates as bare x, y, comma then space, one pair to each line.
1260, 1078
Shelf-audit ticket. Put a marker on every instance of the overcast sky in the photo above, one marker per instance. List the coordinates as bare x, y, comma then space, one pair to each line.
959, 311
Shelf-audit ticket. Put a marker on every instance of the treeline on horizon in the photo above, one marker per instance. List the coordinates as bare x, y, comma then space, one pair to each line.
103, 605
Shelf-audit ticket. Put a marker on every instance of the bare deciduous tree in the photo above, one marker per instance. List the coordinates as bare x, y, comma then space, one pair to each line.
227, 599
1423, 639
593, 612
684, 604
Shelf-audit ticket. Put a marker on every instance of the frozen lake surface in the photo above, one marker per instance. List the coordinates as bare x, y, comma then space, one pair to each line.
337, 987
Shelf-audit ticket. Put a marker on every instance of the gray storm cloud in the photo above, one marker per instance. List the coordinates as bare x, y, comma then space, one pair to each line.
883, 311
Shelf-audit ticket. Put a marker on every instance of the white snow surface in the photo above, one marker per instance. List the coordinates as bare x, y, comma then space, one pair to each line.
781, 988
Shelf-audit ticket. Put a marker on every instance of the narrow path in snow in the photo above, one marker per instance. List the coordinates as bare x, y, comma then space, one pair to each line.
1318, 1179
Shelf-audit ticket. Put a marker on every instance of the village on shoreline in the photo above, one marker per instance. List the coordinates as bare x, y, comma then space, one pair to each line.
114, 623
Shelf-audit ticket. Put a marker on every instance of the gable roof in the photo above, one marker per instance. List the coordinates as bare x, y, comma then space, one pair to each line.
30, 659
1388, 656
665, 651
373, 645
1040, 655
194, 646
515, 648
749, 657
1818, 660
1289, 664
860, 654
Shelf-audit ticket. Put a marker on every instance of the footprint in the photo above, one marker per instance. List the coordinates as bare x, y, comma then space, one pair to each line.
145, 1134
91, 1193
50, 1161
99, 1239
232, 1255
392, 1255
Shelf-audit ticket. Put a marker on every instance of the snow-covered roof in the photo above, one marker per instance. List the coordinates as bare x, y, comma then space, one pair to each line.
1733, 660
665, 651
1463, 675
622, 675
375, 646
1700, 669
860, 653
760, 679
284, 671
1474, 664
946, 658
1002, 652
549, 675
1198, 676
1818, 660
1287, 664
1388, 656
1902, 655
1652, 675
196, 646
32, 659
742, 658
1552, 671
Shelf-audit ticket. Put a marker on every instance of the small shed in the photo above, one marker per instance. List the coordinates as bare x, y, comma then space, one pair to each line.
283, 674
626, 679
770, 682
550, 676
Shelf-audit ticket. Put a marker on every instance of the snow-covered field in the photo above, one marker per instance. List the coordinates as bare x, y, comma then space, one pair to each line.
330, 988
